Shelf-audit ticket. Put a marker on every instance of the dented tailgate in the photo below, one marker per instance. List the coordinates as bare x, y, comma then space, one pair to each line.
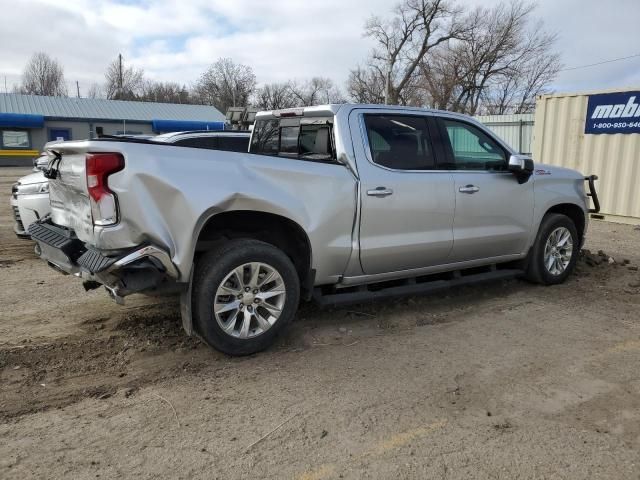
70, 204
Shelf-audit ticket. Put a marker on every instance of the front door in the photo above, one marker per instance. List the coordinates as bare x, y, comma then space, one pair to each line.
493, 212
59, 134
407, 204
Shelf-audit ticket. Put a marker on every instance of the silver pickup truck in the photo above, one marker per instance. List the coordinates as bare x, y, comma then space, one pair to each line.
337, 203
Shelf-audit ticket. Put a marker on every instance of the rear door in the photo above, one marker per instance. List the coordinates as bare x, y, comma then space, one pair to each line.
493, 212
407, 207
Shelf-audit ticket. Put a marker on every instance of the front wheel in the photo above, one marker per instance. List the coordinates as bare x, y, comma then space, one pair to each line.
245, 292
555, 251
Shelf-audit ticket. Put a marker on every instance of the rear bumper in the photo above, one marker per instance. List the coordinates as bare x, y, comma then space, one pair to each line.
143, 268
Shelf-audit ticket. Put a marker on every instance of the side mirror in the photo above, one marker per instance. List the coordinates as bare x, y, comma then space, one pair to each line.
521, 166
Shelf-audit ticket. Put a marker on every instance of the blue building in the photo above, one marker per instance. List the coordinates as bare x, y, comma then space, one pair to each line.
28, 122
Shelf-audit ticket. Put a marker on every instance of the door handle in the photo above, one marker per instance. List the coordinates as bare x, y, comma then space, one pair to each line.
469, 189
380, 192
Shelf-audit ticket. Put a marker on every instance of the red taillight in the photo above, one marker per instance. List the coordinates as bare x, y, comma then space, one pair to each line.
103, 201
99, 166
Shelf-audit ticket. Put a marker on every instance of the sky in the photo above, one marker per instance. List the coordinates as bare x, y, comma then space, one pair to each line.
279, 39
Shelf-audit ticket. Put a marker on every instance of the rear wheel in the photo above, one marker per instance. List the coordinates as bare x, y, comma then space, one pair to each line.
555, 251
245, 293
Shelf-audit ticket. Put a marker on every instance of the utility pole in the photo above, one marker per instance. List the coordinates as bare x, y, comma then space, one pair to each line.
78, 88
120, 78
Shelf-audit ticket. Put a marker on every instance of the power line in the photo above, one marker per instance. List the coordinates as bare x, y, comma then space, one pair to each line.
600, 63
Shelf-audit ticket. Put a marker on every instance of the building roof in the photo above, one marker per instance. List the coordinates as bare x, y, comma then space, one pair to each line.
101, 109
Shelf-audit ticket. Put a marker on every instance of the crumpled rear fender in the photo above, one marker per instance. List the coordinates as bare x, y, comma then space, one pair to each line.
167, 194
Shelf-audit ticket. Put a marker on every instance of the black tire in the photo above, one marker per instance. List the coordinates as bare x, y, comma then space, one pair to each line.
211, 270
537, 271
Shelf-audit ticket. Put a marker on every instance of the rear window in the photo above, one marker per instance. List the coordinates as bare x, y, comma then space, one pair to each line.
304, 139
289, 139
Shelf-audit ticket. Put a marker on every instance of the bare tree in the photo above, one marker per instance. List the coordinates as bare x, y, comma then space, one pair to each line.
439, 77
489, 60
516, 90
122, 82
536, 76
164, 92
405, 40
226, 84
492, 49
43, 76
316, 91
366, 85
95, 91
499, 65
274, 96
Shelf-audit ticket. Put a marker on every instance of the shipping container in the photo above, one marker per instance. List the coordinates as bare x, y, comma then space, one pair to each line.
595, 133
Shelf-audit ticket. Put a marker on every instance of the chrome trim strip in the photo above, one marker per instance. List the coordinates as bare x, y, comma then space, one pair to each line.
148, 251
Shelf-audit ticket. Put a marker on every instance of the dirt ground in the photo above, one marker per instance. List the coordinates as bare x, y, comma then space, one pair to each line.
506, 380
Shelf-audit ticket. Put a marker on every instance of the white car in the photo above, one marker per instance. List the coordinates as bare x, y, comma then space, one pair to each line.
29, 201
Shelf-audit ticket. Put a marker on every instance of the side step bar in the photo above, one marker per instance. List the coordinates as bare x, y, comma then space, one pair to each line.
411, 287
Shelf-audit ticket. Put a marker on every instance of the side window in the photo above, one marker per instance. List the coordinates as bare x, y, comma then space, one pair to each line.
473, 149
400, 142
304, 139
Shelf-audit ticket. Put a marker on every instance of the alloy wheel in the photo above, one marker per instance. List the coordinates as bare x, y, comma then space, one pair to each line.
249, 300
558, 251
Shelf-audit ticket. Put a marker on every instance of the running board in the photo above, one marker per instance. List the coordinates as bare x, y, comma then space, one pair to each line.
410, 287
